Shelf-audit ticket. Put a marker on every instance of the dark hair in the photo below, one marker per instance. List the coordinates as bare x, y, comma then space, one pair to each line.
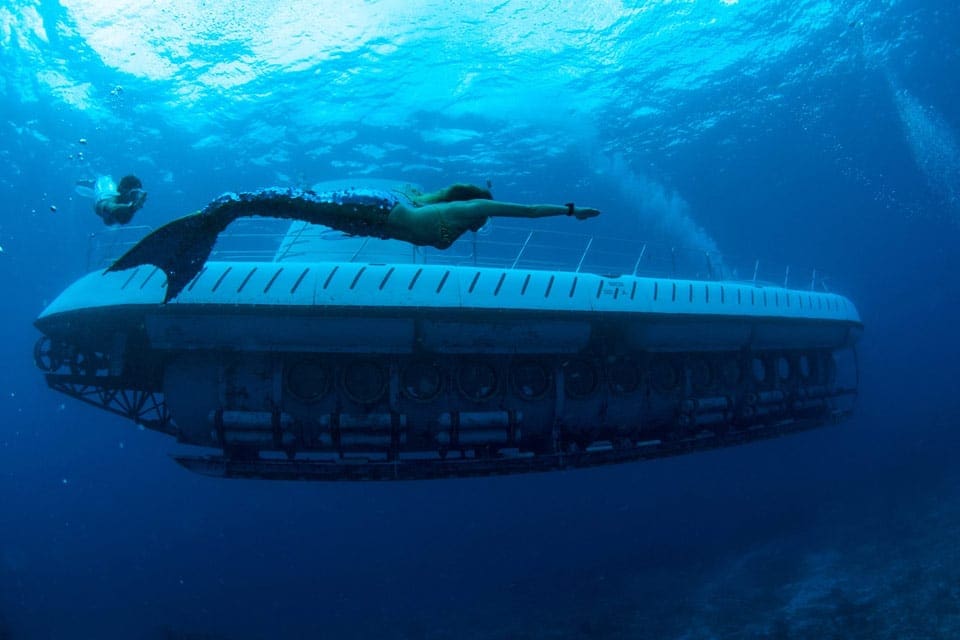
129, 182
126, 188
467, 192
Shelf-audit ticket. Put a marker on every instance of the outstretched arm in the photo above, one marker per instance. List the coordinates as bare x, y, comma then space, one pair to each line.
439, 225
495, 208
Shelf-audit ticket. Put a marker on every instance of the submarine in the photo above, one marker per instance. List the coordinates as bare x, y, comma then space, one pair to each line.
328, 357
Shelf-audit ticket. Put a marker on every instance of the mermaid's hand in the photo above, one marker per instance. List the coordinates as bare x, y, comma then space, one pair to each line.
582, 213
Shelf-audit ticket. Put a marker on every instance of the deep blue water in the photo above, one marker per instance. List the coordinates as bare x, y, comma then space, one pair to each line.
818, 133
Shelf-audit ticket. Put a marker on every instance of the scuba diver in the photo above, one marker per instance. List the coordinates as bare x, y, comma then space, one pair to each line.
114, 203
433, 219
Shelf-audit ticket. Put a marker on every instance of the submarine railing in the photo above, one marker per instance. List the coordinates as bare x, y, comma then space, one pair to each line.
502, 246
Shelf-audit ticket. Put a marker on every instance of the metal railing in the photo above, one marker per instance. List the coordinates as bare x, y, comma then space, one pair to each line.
498, 245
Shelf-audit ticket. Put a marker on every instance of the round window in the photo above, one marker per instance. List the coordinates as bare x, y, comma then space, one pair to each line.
364, 381
308, 380
730, 371
477, 381
421, 381
579, 378
530, 380
664, 374
701, 375
624, 375
803, 366
783, 368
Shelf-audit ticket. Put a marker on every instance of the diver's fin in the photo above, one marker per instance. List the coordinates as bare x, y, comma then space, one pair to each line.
85, 188
86, 192
179, 248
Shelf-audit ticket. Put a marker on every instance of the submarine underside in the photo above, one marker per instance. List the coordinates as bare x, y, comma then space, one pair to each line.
350, 371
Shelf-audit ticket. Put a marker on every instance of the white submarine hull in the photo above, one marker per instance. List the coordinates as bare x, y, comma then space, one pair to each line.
348, 370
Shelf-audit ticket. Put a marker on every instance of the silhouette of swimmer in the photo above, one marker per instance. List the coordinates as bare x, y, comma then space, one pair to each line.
433, 219
114, 203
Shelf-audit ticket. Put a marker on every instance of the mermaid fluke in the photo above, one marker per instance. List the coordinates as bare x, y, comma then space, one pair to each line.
179, 248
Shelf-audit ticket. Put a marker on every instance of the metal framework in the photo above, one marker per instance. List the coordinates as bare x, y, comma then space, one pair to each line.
144, 406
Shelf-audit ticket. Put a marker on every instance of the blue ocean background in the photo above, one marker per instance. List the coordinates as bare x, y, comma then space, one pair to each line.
808, 132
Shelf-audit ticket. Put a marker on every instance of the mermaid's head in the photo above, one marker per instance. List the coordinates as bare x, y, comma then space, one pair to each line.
458, 192
129, 188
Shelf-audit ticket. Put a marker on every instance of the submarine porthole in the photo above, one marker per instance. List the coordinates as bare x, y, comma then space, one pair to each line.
819, 369
529, 380
803, 366
308, 380
624, 376
828, 372
730, 373
421, 381
579, 378
87, 363
47, 355
364, 381
664, 375
477, 381
759, 370
822, 363
782, 368
701, 374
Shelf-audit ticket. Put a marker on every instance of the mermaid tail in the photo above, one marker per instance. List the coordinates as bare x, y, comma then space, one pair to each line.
85, 188
179, 248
